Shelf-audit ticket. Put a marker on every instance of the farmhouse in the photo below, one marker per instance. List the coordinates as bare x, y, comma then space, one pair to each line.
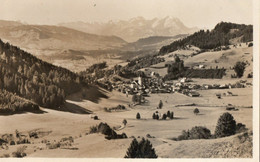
193, 94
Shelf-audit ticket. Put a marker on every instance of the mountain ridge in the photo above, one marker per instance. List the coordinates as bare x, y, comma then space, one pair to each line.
56, 37
135, 28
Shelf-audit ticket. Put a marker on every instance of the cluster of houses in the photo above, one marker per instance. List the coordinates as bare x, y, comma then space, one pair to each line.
152, 82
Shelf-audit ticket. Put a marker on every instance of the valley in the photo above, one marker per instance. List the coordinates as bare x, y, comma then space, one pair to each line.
171, 90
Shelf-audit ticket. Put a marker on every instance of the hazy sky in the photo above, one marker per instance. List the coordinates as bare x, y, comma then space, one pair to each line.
200, 13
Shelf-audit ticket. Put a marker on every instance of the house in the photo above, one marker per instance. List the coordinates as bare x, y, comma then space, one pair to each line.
229, 93
223, 86
183, 80
140, 80
201, 66
230, 107
193, 94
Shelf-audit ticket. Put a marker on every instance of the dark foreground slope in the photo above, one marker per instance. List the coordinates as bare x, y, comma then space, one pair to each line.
31, 78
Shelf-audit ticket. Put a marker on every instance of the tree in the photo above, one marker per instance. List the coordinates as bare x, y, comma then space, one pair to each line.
124, 121
138, 116
196, 111
143, 149
136, 98
154, 116
226, 125
168, 114
240, 68
160, 104
172, 115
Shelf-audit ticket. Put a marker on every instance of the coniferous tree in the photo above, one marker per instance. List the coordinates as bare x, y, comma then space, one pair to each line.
143, 149
168, 114
160, 104
226, 125
240, 68
138, 116
172, 115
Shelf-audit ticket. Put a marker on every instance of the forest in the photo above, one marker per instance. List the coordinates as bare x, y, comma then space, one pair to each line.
29, 77
219, 36
10, 103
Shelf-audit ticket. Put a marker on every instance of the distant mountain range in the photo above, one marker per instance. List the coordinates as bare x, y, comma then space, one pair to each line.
45, 37
135, 28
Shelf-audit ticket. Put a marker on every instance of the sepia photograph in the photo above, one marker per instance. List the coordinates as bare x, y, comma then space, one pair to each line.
125, 79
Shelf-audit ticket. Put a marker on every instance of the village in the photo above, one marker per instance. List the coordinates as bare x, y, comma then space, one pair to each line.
152, 83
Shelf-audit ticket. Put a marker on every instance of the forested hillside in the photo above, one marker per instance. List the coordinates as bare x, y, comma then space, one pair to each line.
221, 35
10, 103
31, 78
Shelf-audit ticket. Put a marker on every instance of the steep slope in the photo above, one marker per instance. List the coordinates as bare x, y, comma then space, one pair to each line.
135, 28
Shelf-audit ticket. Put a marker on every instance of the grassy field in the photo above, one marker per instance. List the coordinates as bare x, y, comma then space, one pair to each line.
65, 124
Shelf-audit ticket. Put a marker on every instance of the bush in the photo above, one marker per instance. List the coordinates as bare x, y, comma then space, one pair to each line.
184, 136
53, 145
124, 135
197, 132
105, 129
196, 111
138, 116
157, 116
240, 127
143, 149
164, 117
226, 125
124, 121
250, 75
12, 143
19, 153
240, 68
95, 117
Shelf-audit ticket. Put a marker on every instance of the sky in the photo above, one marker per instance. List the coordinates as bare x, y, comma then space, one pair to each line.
193, 13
